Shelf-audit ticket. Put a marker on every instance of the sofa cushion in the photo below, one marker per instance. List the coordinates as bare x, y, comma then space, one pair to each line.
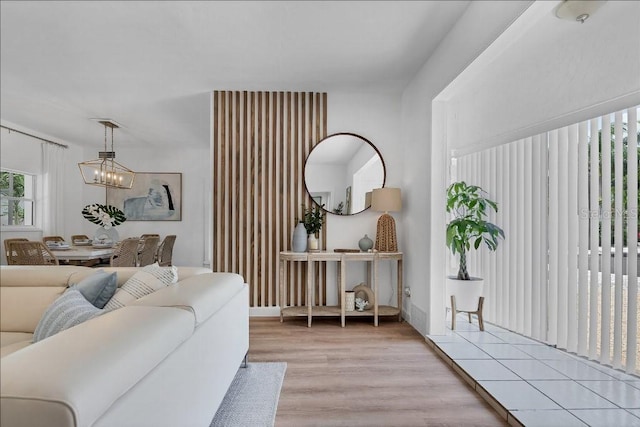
13, 341
12, 348
147, 280
70, 309
98, 288
203, 294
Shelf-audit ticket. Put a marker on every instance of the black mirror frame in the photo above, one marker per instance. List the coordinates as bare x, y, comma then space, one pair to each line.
384, 168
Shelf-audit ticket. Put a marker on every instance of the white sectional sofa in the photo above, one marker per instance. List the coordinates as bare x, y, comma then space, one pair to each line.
166, 359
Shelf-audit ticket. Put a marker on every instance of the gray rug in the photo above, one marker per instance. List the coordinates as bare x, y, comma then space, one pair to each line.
252, 398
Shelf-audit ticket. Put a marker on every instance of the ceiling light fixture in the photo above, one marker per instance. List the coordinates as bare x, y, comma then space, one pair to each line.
578, 10
105, 171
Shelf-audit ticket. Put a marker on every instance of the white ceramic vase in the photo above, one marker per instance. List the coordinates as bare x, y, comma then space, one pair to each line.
105, 237
467, 292
312, 243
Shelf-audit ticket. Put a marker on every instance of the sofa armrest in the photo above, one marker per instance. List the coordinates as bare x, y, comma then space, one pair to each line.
203, 294
73, 377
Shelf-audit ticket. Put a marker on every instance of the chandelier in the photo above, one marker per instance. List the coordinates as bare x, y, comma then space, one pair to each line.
105, 171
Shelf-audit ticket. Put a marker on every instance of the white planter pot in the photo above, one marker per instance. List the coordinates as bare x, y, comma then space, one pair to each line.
467, 292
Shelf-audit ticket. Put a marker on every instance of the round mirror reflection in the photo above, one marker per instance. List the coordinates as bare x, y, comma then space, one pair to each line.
339, 172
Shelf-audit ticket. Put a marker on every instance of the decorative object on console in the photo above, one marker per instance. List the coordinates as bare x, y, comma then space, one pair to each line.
299, 242
361, 304
155, 196
365, 244
364, 292
386, 200
313, 219
105, 171
349, 301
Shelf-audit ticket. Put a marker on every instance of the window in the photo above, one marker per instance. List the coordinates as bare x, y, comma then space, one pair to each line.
16, 198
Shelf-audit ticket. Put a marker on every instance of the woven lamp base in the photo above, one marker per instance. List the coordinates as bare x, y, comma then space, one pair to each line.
386, 240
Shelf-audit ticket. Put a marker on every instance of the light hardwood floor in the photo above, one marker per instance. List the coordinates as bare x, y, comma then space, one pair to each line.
363, 376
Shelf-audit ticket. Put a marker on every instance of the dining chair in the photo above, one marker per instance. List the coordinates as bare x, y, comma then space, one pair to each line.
147, 252
126, 253
46, 239
81, 237
6, 246
144, 236
31, 253
165, 250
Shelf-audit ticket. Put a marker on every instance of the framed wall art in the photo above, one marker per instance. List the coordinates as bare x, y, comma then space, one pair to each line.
155, 196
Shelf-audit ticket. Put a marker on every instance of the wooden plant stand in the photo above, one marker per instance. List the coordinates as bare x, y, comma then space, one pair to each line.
478, 312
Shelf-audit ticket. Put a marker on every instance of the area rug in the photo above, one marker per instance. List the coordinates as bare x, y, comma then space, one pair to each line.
252, 398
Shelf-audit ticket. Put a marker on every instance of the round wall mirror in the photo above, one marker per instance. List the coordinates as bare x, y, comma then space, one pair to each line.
339, 172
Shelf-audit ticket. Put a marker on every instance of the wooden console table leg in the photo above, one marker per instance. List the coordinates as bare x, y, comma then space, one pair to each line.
375, 291
343, 279
400, 288
309, 292
281, 286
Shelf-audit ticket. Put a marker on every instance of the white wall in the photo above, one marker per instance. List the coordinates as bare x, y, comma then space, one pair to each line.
375, 116
425, 163
546, 73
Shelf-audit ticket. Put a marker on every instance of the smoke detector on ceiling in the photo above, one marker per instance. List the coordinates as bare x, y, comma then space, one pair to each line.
578, 10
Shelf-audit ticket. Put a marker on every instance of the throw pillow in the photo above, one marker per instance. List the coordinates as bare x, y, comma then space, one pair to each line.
98, 288
148, 280
69, 309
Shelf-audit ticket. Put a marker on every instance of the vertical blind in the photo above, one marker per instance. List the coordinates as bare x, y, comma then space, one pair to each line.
260, 143
567, 272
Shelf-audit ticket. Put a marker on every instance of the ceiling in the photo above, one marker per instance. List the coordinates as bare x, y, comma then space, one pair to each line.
151, 65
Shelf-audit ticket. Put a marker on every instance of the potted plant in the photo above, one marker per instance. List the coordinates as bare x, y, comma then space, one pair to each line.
468, 229
313, 219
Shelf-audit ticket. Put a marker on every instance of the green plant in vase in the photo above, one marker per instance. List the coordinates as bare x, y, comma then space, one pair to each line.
313, 218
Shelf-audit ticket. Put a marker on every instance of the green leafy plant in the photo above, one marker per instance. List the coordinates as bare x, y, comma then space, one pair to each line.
469, 228
106, 216
313, 218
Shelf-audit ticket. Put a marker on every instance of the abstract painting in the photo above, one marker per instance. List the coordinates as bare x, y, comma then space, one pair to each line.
155, 196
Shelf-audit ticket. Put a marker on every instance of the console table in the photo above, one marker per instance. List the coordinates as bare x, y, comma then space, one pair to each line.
310, 310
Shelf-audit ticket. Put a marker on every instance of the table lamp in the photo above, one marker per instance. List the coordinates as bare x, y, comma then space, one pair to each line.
386, 200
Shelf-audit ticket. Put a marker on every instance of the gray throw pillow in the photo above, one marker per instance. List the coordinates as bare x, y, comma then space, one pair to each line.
98, 288
70, 309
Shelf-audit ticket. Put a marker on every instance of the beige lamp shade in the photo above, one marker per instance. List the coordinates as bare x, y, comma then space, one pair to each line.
386, 199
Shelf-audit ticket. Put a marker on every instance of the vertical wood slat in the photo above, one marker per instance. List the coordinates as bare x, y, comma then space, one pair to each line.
260, 144
528, 237
632, 239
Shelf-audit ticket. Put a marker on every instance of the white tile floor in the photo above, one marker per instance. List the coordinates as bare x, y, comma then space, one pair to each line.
538, 385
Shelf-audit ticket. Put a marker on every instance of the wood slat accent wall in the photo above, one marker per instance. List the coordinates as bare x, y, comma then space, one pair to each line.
260, 143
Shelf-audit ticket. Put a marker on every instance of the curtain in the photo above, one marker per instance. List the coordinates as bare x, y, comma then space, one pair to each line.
52, 194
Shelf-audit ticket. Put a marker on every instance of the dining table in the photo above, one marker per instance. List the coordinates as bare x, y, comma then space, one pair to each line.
82, 255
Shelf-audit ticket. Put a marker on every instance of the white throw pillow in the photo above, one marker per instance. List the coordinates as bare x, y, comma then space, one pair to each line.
69, 309
144, 282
